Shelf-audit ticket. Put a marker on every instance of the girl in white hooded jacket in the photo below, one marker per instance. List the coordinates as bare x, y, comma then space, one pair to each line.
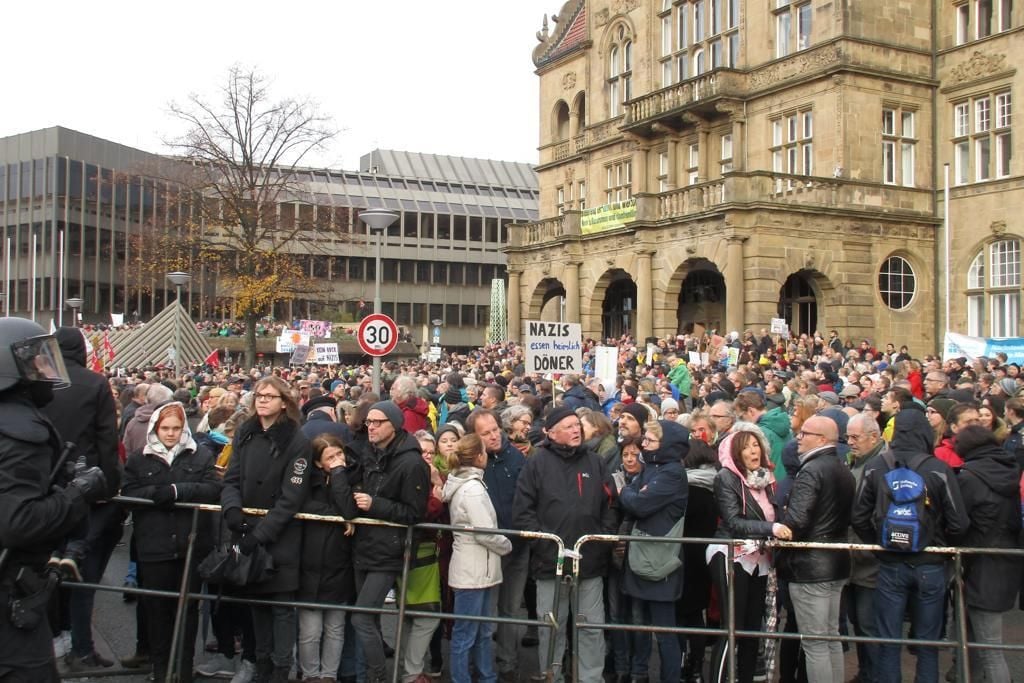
475, 568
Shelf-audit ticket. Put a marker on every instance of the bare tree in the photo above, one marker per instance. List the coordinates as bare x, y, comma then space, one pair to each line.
230, 201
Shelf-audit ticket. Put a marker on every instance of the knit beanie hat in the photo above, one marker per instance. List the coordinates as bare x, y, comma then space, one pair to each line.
557, 415
452, 396
392, 412
641, 414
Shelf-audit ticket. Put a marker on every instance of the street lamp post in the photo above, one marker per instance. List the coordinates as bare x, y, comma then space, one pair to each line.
179, 280
377, 220
74, 303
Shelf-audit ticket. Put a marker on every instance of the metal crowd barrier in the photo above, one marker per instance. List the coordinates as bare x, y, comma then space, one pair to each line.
185, 593
730, 632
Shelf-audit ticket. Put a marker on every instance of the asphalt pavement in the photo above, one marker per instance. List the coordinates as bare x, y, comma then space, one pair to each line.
114, 635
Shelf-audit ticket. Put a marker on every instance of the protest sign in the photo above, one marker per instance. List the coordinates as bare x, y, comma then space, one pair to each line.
289, 339
316, 328
326, 354
554, 347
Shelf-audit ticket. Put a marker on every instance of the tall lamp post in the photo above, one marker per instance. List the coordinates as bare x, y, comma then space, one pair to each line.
74, 303
179, 280
377, 220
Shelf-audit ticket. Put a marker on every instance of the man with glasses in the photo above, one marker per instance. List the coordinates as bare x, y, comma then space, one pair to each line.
865, 440
818, 511
722, 419
504, 464
936, 384
565, 489
391, 483
959, 416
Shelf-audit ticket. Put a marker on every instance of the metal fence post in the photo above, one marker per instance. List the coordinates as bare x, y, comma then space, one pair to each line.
406, 563
963, 655
174, 664
730, 578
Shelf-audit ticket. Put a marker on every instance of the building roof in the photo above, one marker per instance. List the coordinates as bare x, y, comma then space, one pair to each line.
453, 169
570, 33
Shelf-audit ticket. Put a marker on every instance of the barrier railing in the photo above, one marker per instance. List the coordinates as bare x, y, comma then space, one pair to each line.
565, 582
961, 644
184, 595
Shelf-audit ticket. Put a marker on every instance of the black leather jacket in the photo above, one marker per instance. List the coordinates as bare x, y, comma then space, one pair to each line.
819, 511
739, 514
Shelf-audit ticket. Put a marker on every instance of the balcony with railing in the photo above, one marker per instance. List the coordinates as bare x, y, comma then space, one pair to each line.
737, 191
694, 94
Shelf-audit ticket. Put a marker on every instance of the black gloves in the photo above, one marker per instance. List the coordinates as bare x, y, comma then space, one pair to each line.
163, 496
234, 519
91, 482
248, 544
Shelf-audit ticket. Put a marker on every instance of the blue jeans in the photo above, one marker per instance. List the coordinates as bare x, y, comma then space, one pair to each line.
924, 587
472, 637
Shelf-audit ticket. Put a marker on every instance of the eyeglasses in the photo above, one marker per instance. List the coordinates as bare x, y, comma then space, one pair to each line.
803, 433
648, 439
375, 423
267, 397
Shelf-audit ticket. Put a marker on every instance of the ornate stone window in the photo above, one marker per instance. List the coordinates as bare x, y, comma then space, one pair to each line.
697, 36
899, 141
977, 19
982, 140
897, 282
993, 303
620, 71
792, 26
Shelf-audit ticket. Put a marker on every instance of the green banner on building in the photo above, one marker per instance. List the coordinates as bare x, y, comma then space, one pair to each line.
607, 217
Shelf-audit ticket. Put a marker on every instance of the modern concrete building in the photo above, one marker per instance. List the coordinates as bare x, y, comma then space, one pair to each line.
733, 161
438, 260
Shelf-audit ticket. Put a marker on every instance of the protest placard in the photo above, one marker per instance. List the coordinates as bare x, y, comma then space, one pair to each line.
554, 347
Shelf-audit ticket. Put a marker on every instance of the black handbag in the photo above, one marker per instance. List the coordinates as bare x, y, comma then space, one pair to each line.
226, 564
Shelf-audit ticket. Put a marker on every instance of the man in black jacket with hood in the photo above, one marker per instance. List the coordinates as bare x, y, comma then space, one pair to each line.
84, 414
906, 576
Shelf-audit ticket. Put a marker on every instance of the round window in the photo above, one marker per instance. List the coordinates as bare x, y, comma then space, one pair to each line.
897, 282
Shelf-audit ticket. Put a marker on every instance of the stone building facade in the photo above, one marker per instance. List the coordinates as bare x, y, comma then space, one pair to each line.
727, 162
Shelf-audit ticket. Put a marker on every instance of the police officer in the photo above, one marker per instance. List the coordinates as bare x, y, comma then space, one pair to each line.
34, 515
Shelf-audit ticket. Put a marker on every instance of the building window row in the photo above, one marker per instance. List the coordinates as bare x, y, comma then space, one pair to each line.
993, 303
982, 148
698, 36
793, 143
977, 19
571, 196
792, 26
899, 142
618, 182
620, 72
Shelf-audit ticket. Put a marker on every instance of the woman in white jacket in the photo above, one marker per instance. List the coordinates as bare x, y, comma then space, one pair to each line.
476, 560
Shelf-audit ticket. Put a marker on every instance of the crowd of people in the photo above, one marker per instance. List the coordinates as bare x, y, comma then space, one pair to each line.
810, 439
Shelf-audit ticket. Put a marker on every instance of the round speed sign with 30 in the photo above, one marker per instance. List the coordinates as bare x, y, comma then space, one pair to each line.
377, 335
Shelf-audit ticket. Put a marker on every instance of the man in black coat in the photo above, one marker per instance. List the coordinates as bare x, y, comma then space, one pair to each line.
392, 484
33, 515
564, 489
818, 511
84, 414
321, 418
906, 576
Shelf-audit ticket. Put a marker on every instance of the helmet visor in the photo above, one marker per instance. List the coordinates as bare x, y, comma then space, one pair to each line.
39, 360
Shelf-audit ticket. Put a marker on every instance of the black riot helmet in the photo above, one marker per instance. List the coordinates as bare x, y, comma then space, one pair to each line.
29, 355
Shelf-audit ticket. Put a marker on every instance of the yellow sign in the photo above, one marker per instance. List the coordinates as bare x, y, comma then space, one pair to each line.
607, 217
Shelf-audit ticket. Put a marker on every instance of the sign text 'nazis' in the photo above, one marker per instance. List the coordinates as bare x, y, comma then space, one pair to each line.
554, 347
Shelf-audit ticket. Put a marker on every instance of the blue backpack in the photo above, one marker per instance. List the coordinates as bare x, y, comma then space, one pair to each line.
906, 515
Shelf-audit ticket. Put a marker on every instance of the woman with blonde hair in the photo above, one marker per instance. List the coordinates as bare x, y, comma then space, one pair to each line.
475, 569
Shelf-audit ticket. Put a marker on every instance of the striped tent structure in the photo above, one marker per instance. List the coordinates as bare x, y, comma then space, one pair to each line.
149, 346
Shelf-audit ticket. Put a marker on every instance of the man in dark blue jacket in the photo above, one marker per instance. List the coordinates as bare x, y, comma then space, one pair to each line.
504, 462
908, 576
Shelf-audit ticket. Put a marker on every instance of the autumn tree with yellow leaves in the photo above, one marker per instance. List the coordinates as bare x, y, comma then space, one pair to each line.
236, 168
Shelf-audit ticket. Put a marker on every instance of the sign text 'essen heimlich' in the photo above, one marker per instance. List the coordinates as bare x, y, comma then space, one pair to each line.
554, 347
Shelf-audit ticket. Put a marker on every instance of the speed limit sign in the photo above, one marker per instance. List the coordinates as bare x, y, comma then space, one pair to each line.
377, 335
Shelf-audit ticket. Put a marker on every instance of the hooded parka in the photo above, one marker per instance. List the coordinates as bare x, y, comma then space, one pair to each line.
476, 558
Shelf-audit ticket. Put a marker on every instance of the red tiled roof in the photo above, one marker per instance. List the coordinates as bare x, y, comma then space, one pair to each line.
573, 36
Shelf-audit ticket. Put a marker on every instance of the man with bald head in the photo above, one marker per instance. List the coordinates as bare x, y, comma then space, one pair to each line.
819, 511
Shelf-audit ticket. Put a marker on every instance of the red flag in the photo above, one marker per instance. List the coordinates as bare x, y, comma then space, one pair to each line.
213, 359
108, 348
94, 361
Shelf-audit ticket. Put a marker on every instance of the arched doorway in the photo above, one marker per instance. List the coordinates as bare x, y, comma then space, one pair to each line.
618, 311
548, 300
798, 303
701, 298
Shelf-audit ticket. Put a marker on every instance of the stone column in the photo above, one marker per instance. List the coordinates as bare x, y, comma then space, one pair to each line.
574, 124
734, 295
640, 165
571, 281
644, 297
514, 307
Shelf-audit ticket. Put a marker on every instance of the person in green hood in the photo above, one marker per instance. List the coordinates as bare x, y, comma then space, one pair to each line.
750, 407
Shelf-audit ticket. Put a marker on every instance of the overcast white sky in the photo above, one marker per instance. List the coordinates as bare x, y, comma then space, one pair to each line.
444, 77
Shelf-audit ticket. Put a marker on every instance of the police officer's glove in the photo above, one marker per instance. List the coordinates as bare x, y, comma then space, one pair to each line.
234, 519
248, 544
91, 482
